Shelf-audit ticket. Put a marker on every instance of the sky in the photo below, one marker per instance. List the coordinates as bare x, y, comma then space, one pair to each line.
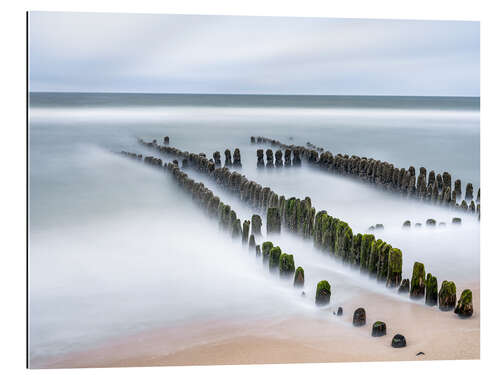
159, 53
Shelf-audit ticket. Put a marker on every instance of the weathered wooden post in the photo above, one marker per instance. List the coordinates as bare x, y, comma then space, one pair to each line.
447, 296
236, 158
287, 266
228, 161
323, 293
256, 225
273, 220
260, 158
469, 191
359, 317
269, 158
266, 249
246, 230
274, 258
279, 158
464, 306
417, 287
379, 329
298, 280
395, 268
431, 290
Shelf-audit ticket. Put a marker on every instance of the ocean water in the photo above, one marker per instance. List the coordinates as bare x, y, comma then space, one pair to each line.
116, 248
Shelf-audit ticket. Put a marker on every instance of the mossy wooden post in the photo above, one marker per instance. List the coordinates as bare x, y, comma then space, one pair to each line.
366, 242
431, 290
417, 287
379, 329
216, 156
343, 240
246, 230
456, 221
260, 158
269, 158
458, 188
383, 262
228, 161
257, 250
273, 220
374, 257
323, 293
278, 155
298, 280
274, 258
256, 225
359, 317
464, 307
469, 191
287, 266
407, 224
166, 140
447, 296
395, 268
237, 157
355, 253
266, 249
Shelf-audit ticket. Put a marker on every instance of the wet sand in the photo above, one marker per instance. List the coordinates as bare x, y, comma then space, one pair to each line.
295, 339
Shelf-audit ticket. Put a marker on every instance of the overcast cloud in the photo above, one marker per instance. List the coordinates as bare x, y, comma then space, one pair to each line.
101, 52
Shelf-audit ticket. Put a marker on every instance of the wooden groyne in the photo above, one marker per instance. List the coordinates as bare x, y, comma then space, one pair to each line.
375, 258
427, 187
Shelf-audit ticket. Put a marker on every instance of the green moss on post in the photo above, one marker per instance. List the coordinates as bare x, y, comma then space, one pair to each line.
274, 258
447, 296
407, 224
383, 262
256, 225
287, 265
266, 249
298, 280
355, 252
246, 230
395, 268
431, 290
366, 242
379, 329
417, 286
323, 293
374, 257
464, 306
273, 220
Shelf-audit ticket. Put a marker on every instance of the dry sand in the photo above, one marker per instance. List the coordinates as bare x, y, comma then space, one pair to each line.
325, 338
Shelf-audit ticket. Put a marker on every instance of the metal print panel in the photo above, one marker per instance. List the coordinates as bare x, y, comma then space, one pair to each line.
247, 190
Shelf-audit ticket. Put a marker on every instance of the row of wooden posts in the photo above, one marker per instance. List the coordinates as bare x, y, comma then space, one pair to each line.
429, 187
374, 257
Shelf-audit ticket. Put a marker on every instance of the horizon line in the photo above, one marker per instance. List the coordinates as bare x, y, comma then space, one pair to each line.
240, 94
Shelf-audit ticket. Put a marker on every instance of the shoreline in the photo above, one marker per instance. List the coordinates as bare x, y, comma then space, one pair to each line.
295, 339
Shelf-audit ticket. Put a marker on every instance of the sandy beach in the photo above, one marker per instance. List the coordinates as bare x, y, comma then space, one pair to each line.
327, 338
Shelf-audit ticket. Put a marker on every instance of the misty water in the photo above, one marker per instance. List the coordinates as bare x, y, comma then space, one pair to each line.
116, 247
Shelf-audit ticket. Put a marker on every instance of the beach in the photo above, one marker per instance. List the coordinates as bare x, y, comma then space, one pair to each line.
326, 338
